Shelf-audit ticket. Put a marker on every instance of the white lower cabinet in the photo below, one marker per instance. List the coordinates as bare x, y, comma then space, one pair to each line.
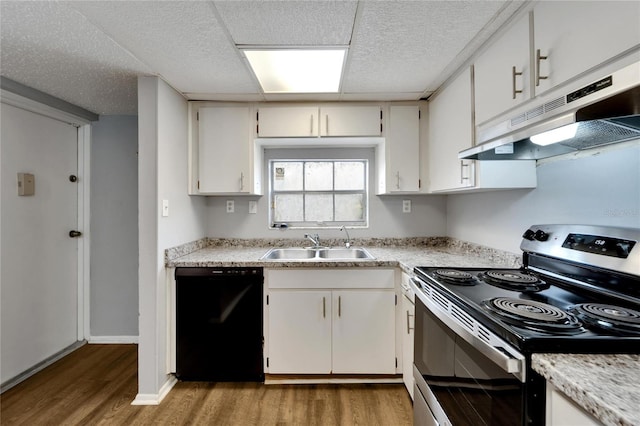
347, 326
562, 411
300, 332
408, 314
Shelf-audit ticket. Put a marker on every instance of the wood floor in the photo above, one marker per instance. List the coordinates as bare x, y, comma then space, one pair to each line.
96, 384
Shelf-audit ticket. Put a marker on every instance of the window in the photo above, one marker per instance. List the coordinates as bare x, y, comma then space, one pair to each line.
318, 193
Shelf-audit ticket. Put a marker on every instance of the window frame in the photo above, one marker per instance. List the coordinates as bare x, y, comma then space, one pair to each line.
364, 223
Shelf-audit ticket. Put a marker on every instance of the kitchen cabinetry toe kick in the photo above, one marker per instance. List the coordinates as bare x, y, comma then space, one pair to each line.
302, 379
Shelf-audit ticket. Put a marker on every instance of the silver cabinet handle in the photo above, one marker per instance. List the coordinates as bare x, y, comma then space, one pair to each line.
324, 307
409, 328
311, 128
397, 180
326, 119
514, 74
539, 58
462, 176
339, 306
241, 181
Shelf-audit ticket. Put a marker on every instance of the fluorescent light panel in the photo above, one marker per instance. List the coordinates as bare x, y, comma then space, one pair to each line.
556, 135
297, 70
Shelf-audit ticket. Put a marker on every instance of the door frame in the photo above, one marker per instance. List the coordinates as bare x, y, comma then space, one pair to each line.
83, 127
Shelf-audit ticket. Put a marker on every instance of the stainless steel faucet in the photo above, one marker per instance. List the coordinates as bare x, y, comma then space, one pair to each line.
315, 239
347, 243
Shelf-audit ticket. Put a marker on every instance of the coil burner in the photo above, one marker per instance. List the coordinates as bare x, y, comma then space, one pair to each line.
533, 315
454, 276
511, 280
613, 319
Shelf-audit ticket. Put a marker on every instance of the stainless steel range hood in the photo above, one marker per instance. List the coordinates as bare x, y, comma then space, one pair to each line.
605, 105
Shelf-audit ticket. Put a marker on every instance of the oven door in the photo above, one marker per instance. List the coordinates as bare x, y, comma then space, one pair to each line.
460, 384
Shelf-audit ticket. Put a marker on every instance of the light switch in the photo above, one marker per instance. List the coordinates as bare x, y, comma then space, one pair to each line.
406, 206
26, 184
231, 206
165, 208
253, 207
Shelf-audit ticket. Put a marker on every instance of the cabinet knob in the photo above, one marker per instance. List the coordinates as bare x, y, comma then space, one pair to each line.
75, 234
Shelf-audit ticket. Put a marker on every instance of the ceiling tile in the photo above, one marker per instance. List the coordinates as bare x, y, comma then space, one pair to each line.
47, 46
286, 23
182, 41
404, 46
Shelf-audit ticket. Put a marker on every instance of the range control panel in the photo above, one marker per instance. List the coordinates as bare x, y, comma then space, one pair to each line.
604, 247
607, 246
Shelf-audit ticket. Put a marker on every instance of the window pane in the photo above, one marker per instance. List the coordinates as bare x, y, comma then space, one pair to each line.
349, 207
349, 175
287, 176
288, 208
318, 176
318, 207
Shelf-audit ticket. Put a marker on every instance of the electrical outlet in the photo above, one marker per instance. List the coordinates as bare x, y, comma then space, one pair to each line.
165, 208
406, 206
231, 207
253, 207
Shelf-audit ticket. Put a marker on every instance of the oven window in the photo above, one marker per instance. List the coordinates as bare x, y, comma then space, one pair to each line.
470, 388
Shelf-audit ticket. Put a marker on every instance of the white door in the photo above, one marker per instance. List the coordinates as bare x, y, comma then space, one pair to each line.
39, 315
364, 332
300, 332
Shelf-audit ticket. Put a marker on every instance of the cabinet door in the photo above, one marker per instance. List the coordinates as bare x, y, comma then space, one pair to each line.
402, 147
502, 73
299, 332
350, 121
286, 122
450, 131
408, 312
364, 332
576, 36
224, 150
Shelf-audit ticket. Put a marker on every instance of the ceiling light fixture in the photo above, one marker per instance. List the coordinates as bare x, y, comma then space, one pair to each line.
556, 135
297, 70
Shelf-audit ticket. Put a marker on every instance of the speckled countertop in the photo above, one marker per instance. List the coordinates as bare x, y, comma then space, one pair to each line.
606, 386
403, 253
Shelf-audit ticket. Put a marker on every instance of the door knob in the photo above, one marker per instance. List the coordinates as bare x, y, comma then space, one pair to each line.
74, 234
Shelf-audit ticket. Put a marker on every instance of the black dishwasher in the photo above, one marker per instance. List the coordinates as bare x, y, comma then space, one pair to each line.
219, 324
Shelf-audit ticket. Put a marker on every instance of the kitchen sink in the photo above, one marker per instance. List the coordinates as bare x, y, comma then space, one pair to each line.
344, 253
318, 254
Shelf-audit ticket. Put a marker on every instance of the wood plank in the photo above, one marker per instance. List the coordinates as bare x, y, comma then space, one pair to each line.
96, 384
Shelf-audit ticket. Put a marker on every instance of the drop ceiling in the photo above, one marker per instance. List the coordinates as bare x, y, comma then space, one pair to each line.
90, 53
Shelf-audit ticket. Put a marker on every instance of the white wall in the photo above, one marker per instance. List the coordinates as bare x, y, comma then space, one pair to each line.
600, 189
427, 217
114, 229
162, 175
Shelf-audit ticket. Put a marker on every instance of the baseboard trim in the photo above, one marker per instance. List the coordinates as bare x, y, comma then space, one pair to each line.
99, 340
40, 366
153, 398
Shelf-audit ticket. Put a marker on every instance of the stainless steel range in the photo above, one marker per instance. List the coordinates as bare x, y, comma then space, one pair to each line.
476, 328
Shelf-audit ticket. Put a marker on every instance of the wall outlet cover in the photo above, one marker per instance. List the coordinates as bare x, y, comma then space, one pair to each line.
231, 206
253, 207
406, 206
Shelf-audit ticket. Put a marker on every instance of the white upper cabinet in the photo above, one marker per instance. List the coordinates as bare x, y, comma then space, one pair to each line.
224, 158
572, 37
300, 121
451, 131
287, 121
350, 121
401, 154
503, 72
